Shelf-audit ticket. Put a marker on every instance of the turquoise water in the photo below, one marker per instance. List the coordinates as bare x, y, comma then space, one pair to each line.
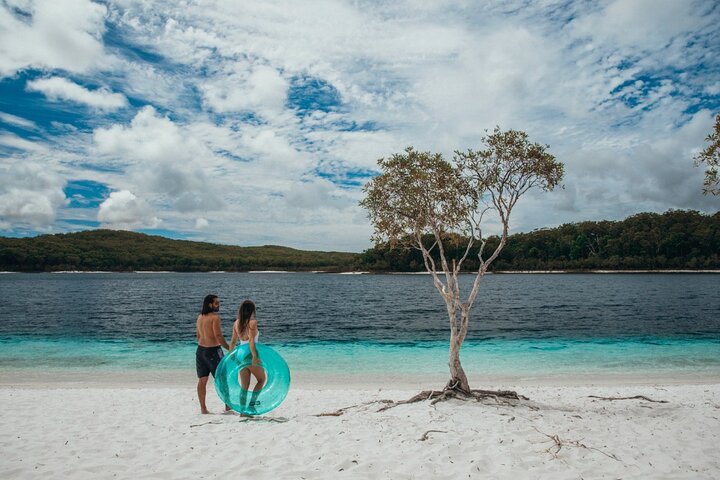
502, 358
521, 325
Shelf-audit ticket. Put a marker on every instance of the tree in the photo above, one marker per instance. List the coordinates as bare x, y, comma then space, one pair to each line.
711, 158
419, 193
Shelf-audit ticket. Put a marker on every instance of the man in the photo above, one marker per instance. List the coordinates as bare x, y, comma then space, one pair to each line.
209, 351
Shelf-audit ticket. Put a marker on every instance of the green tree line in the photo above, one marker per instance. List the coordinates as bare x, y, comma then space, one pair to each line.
110, 250
676, 239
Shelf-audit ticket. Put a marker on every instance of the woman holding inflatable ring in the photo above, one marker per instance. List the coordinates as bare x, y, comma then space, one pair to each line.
245, 331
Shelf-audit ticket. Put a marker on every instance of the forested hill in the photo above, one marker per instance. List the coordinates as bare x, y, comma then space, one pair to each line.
646, 241
676, 239
111, 250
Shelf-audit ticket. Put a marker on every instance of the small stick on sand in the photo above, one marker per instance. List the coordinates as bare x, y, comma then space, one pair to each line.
341, 411
636, 397
206, 423
425, 435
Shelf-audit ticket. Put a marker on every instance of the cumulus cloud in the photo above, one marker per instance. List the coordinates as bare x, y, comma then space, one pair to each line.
123, 210
64, 35
163, 160
30, 194
58, 88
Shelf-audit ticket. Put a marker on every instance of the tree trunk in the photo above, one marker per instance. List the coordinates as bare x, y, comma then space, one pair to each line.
458, 379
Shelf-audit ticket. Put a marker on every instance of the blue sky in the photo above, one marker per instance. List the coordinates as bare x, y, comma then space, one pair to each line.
253, 123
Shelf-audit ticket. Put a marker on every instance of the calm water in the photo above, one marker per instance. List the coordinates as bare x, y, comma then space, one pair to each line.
521, 324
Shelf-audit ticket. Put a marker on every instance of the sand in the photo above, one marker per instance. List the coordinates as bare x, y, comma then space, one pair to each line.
125, 426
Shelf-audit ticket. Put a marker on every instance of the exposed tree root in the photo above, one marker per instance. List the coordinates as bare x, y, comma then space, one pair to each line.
505, 397
636, 397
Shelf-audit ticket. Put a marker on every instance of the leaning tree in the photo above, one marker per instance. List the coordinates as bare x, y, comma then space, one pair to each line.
711, 158
420, 196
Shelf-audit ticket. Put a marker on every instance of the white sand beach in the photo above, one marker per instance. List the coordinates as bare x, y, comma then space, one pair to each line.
138, 427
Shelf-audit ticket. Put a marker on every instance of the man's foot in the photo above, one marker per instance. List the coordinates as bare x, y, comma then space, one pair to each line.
204, 411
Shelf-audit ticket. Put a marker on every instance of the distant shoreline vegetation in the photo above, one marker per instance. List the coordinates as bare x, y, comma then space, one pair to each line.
677, 240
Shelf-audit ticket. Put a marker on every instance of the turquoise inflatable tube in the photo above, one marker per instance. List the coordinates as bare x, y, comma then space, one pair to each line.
227, 380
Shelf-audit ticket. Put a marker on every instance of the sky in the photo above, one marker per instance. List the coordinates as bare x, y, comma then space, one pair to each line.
259, 122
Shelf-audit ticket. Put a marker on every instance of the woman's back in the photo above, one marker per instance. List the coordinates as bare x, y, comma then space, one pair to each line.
246, 334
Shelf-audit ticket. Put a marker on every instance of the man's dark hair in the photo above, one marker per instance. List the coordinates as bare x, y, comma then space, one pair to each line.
207, 304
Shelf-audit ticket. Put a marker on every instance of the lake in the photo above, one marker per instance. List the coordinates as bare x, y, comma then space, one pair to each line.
522, 324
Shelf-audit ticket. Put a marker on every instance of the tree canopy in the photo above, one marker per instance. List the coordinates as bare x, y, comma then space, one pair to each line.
711, 158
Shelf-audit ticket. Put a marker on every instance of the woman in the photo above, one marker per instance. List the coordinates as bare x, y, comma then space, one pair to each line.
245, 331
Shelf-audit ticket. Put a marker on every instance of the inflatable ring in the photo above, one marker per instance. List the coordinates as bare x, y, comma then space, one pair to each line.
277, 383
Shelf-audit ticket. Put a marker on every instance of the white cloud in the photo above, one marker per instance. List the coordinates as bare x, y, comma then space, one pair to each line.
57, 88
261, 90
13, 141
163, 161
30, 194
17, 121
62, 34
642, 24
123, 210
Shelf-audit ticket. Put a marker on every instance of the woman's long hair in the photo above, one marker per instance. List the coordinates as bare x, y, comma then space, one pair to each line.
207, 304
245, 313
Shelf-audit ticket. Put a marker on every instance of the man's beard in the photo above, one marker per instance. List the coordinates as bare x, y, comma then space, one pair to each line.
215, 309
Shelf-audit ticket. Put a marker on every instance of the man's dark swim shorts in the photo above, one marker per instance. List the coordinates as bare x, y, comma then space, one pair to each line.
207, 360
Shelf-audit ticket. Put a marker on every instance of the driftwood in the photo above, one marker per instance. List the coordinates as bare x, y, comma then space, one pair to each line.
636, 397
558, 443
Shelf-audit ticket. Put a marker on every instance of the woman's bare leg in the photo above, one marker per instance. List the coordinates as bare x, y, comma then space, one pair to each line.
261, 378
244, 384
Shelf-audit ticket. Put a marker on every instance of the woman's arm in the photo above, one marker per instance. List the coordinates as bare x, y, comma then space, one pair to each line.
252, 332
234, 339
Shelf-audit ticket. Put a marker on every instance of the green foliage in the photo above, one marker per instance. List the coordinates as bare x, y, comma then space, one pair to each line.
420, 193
711, 158
676, 239
417, 193
108, 250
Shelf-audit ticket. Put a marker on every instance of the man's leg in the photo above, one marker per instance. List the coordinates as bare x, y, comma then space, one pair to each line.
201, 390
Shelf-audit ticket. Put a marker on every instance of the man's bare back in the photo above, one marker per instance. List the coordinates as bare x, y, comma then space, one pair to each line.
207, 328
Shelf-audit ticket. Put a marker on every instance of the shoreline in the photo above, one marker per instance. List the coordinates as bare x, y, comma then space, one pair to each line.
351, 272
171, 378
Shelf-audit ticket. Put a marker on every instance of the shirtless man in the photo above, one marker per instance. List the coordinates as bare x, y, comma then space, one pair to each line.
210, 339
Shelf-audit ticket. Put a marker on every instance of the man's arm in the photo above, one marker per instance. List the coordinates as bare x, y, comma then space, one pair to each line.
218, 333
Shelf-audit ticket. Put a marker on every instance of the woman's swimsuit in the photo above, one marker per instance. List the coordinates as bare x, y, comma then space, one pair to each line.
257, 335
